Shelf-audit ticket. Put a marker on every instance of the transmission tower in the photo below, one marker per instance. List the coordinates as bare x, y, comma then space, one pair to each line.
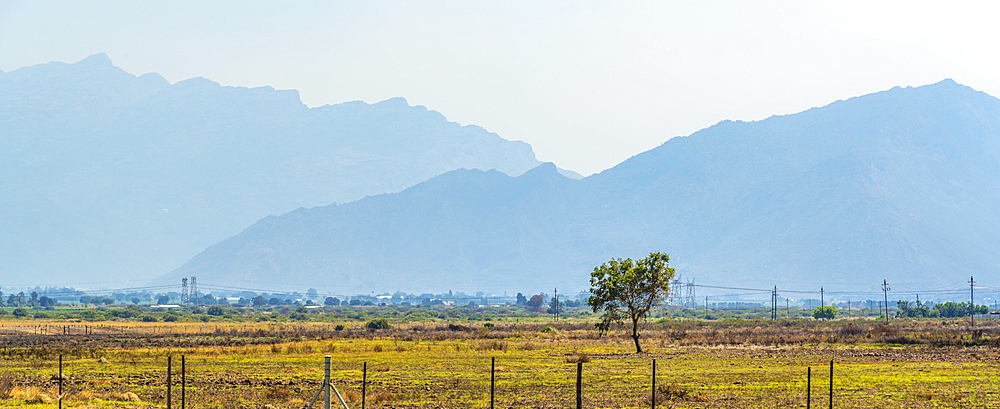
675, 296
184, 290
690, 299
194, 289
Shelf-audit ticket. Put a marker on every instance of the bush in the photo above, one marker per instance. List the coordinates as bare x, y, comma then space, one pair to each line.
216, 310
130, 312
378, 323
91, 315
20, 312
170, 318
828, 312
149, 318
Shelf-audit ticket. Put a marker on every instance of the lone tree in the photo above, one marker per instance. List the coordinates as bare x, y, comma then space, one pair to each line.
828, 312
625, 290
536, 302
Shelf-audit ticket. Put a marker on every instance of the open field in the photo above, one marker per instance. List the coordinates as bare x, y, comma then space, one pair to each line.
909, 364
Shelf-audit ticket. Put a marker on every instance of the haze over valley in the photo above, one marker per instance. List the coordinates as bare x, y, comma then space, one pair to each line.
115, 178
110, 177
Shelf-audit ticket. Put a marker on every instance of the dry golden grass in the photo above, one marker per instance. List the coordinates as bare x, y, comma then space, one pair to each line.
920, 364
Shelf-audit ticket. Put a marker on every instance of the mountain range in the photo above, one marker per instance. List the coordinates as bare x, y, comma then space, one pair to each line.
902, 185
108, 177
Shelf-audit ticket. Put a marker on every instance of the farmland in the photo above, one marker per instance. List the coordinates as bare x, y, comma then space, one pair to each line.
700, 364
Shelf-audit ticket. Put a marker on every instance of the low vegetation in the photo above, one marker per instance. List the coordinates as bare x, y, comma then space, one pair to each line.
707, 364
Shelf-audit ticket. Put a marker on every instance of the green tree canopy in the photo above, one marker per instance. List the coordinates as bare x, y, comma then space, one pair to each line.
625, 290
828, 312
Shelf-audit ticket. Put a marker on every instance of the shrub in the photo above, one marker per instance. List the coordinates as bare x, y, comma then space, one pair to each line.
577, 357
91, 315
170, 318
20, 312
828, 312
149, 318
216, 310
130, 312
378, 323
492, 345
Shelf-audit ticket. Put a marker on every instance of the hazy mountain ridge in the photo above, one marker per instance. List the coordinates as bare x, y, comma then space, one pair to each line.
155, 173
901, 184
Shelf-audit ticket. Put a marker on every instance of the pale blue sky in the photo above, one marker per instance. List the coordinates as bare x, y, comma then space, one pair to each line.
588, 84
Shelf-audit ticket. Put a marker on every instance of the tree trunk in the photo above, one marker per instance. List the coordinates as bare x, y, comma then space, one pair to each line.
635, 336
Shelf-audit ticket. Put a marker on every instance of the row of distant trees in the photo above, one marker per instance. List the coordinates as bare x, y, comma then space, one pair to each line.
943, 310
27, 300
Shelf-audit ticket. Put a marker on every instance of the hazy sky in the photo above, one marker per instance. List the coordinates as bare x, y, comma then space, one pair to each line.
588, 84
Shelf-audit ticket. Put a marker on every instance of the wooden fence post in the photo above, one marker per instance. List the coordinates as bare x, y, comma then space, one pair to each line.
364, 383
653, 398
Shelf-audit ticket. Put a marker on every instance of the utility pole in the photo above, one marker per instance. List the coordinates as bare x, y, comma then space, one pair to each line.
774, 303
555, 296
972, 300
706, 307
885, 293
822, 301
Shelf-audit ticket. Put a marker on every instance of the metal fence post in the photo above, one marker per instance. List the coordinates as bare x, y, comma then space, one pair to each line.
493, 365
326, 382
183, 381
579, 385
60, 381
364, 384
654, 384
808, 386
169, 358
831, 384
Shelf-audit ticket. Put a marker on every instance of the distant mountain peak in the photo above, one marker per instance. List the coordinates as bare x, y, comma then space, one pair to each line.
133, 175
96, 60
902, 184
394, 102
546, 170
154, 79
197, 82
